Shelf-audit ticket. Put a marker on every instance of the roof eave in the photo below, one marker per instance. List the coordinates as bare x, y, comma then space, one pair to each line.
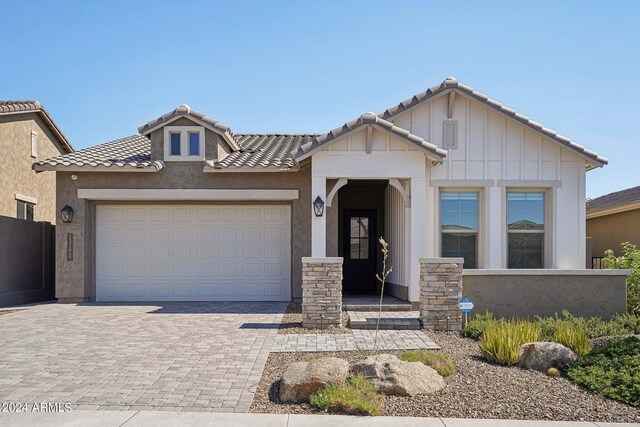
156, 166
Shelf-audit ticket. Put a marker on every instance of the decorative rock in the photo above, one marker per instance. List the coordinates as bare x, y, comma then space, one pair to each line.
302, 379
541, 356
391, 375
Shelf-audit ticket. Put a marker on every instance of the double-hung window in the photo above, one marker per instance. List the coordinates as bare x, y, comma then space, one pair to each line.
525, 229
459, 226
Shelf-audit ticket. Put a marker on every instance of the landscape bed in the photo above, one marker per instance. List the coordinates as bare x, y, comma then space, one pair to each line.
477, 390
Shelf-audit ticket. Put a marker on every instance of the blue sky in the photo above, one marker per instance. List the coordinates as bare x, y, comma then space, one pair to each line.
104, 68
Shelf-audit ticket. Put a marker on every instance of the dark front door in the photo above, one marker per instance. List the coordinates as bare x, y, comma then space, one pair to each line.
359, 247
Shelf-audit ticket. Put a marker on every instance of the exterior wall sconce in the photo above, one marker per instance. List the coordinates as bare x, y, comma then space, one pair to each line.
318, 206
67, 214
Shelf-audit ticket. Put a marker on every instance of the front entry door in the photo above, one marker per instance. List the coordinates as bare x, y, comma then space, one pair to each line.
359, 247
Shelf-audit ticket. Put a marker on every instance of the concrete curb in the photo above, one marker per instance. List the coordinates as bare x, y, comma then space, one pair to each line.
102, 418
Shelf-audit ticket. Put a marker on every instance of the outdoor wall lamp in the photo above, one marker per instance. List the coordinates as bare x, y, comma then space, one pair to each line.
67, 214
318, 206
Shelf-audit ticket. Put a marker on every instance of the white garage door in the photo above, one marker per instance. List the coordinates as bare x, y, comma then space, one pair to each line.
193, 253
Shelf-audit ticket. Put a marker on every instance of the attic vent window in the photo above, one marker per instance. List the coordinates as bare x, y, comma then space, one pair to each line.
450, 134
184, 143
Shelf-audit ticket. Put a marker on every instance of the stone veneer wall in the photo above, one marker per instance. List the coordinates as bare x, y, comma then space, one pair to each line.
321, 292
440, 293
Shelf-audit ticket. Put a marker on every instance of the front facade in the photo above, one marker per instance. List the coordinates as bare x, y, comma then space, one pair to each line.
28, 134
613, 219
188, 210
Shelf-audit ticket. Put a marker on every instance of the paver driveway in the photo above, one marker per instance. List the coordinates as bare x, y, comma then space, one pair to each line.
172, 356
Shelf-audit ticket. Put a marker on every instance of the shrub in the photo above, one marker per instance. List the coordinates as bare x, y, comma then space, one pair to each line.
630, 260
501, 340
553, 372
612, 371
475, 327
442, 363
356, 396
573, 335
595, 327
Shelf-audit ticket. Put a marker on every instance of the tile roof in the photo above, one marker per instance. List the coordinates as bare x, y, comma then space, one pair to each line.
613, 200
26, 106
266, 150
369, 119
131, 152
185, 111
451, 83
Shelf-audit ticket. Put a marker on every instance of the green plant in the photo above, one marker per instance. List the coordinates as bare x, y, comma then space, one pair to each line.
621, 324
612, 371
442, 363
553, 372
356, 396
382, 277
630, 260
501, 340
475, 327
573, 335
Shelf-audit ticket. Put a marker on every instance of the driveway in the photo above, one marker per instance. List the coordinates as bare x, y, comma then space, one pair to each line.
169, 356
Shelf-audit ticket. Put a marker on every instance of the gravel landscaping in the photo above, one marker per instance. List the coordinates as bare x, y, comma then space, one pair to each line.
477, 390
292, 323
9, 311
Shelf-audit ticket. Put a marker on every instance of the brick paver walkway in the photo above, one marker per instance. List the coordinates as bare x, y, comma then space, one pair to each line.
170, 356
358, 340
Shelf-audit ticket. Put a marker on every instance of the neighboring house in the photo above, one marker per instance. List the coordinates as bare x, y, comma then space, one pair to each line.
613, 219
28, 134
189, 210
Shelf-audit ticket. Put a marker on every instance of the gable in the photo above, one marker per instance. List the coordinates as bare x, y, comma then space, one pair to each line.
437, 98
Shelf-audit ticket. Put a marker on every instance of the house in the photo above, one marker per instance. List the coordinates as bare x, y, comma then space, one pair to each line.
187, 209
613, 219
28, 134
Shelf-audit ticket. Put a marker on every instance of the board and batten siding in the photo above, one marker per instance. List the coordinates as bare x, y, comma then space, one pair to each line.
395, 235
495, 153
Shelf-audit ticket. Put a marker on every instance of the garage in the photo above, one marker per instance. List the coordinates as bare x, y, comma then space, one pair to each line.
193, 253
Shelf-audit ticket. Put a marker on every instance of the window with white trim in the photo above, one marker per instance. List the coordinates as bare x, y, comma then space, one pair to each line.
525, 229
25, 210
459, 226
184, 143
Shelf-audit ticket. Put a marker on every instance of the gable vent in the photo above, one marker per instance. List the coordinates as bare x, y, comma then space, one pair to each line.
450, 134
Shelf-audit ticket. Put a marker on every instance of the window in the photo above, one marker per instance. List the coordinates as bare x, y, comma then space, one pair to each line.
184, 143
34, 144
359, 237
175, 144
525, 229
459, 226
25, 210
194, 143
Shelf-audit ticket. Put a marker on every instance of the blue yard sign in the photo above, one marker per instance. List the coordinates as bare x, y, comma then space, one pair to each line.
465, 305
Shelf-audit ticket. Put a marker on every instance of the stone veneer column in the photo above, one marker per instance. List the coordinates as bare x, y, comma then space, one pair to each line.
322, 292
440, 293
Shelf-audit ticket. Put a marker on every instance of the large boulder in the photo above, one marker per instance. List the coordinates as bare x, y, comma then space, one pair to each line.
544, 355
302, 379
391, 375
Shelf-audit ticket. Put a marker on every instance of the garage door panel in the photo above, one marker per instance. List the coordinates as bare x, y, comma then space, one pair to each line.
192, 253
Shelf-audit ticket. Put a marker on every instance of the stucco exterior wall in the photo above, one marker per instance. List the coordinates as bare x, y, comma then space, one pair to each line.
75, 279
16, 175
608, 232
585, 293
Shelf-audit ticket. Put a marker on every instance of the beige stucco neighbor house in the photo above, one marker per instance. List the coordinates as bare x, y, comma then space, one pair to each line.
28, 134
614, 219
186, 209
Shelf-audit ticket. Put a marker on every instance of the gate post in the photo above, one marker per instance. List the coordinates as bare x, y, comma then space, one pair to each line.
440, 293
321, 292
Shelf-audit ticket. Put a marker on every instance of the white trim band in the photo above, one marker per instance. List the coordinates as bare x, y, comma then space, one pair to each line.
27, 199
186, 194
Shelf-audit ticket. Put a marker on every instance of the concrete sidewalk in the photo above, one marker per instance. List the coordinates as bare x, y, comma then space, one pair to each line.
101, 418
